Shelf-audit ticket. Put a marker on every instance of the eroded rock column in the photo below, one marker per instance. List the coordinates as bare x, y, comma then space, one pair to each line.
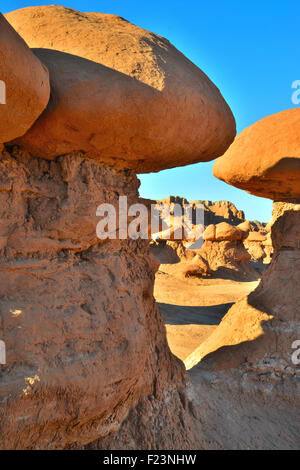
85, 343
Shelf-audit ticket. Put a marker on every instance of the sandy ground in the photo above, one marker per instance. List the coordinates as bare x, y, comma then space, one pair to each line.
192, 308
225, 417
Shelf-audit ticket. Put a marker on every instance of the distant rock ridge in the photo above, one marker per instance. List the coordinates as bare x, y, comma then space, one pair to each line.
230, 242
214, 211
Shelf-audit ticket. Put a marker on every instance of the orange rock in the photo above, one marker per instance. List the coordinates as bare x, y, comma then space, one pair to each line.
265, 158
121, 93
24, 84
255, 337
210, 233
225, 231
257, 236
86, 346
245, 226
198, 267
228, 259
222, 211
286, 228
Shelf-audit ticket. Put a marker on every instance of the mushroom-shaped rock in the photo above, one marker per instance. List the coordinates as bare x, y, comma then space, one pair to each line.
224, 251
257, 236
225, 231
252, 348
122, 94
24, 85
265, 158
210, 233
245, 226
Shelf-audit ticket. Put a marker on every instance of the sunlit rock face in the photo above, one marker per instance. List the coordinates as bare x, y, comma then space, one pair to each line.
121, 93
85, 343
259, 246
252, 356
24, 84
264, 159
249, 366
225, 253
87, 357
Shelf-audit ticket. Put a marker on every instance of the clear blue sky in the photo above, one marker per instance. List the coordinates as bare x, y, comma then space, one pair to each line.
249, 49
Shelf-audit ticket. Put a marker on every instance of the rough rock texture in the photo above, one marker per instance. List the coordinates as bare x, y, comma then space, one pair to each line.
24, 84
162, 421
196, 267
214, 211
251, 356
259, 246
86, 346
190, 262
245, 226
222, 253
225, 231
222, 211
265, 158
225, 253
257, 241
121, 93
247, 361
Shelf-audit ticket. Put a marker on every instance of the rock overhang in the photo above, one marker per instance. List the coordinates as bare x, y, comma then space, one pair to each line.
24, 80
121, 94
264, 159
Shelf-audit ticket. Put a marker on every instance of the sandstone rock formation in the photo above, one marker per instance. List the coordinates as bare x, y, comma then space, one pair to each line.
24, 84
222, 211
275, 174
214, 211
249, 357
120, 93
259, 246
87, 357
222, 253
85, 342
225, 253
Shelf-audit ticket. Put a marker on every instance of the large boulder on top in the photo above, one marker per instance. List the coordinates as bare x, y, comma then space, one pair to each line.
24, 84
225, 253
265, 158
245, 226
120, 93
225, 231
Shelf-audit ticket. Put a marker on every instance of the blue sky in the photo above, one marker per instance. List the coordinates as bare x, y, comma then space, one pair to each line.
249, 49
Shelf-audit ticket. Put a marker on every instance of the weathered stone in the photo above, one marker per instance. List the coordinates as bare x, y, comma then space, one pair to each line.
24, 86
122, 94
265, 158
85, 344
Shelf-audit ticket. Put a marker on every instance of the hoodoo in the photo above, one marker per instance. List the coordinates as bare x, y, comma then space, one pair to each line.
25, 88
250, 354
122, 94
87, 358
